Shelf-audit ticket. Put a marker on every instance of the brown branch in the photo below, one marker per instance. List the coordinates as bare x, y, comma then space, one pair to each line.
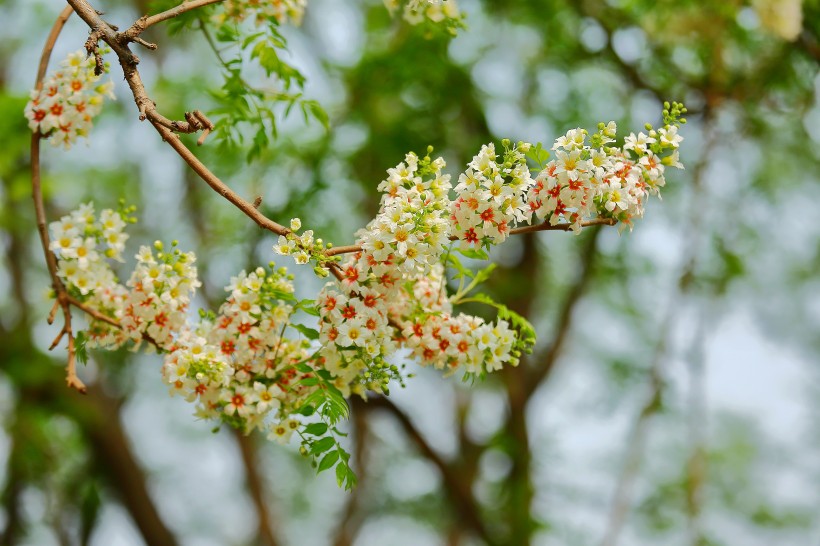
164, 126
637, 440
696, 464
545, 226
563, 227
216, 184
114, 458
141, 24
40, 212
101, 30
49, 46
458, 491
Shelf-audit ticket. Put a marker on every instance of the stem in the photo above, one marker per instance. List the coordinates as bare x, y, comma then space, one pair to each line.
546, 226
176, 10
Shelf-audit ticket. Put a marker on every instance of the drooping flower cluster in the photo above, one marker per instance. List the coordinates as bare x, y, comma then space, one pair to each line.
161, 288
449, 342
284, 11
238, 365
71, 97
491, 195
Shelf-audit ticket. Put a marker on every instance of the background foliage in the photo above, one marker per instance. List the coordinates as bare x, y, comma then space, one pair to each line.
678, 361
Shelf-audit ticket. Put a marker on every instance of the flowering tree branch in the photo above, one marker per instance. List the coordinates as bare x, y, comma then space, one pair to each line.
238, 364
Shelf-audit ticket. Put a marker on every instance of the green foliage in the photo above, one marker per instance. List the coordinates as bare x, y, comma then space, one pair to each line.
244, 109
526, 336
320, 440
538, 154
80, 349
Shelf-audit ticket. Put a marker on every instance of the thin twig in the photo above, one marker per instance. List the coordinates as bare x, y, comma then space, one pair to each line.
218, 185
175, 11
696, 462
545, 226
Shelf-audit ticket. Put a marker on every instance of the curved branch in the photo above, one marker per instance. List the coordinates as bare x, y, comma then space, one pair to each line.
216, 184
40, 212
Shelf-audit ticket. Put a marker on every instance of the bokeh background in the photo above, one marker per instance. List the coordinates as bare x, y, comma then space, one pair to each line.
673, 394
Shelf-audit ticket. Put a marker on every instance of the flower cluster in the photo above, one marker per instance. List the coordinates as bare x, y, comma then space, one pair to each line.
356, 337
82, 243
71, 97
449, 342
284, 11
492, 195
238, 365
161, 288
303, 248
595, 179
463, 342
395, 287
408, 234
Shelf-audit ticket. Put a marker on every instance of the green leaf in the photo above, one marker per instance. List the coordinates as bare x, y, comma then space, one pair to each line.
309, 333
322, 445
316, 110
484, 274
227, 33
474, 253
79, 347
308, 306
538, 154
316, 429
461, 270
307, 410
309, 381
328, 461
304, 368
345, 476
526, 331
